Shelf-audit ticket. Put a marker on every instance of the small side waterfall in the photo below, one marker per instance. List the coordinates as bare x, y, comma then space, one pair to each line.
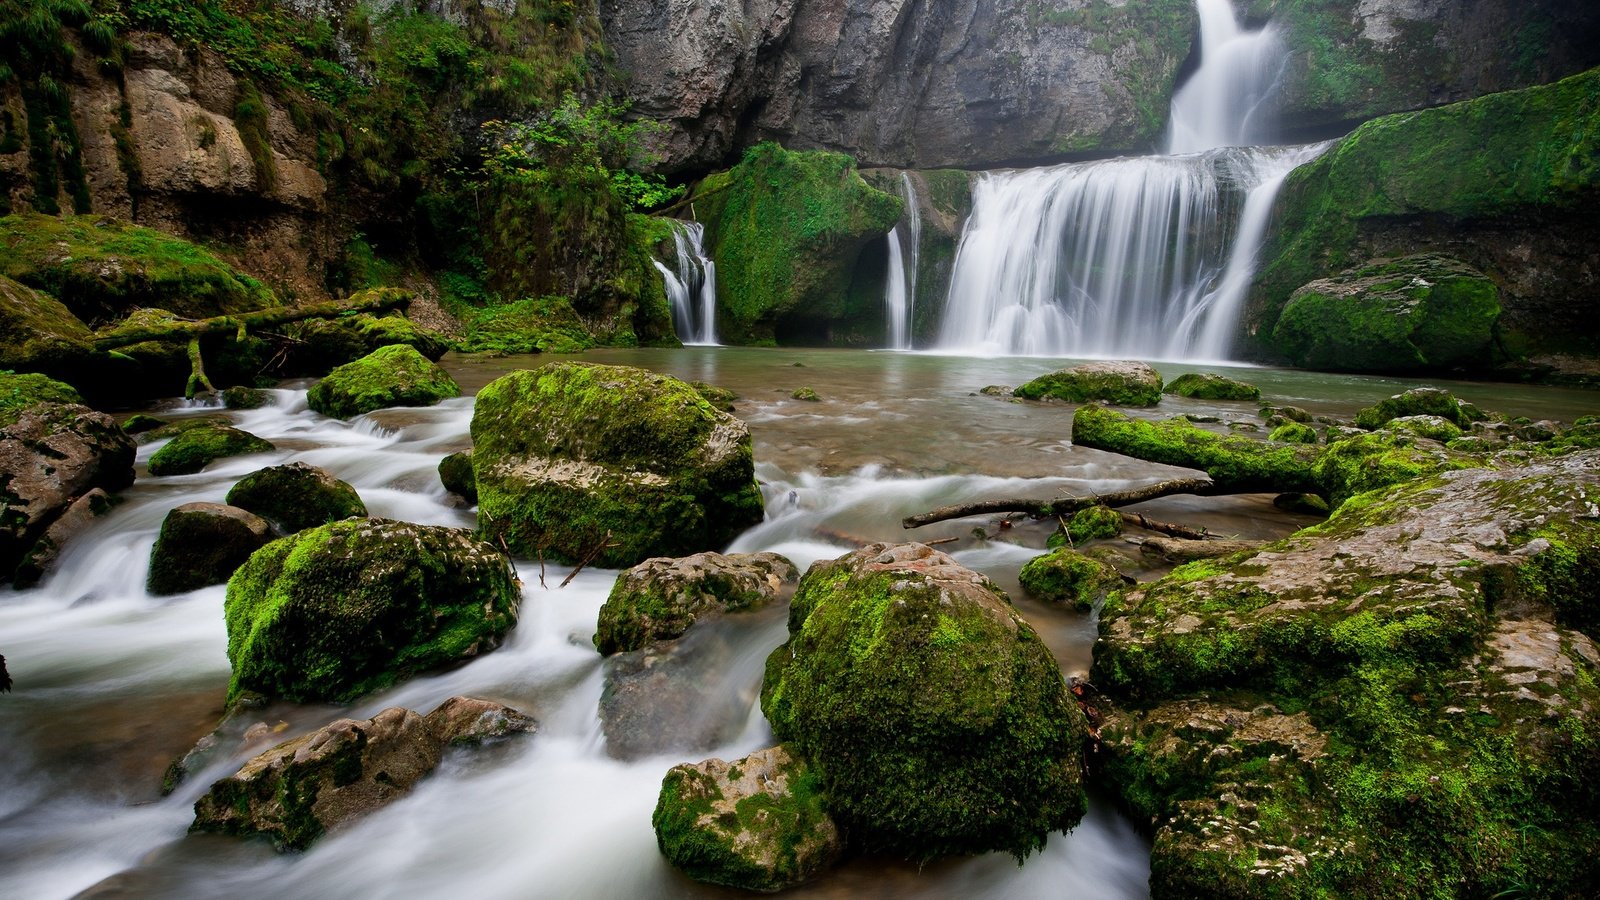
1146, 256
692, 287
900, 292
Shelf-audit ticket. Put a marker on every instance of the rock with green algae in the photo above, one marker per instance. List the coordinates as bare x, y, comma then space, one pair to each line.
202, 544
396, 375
529, 325
1206, 386
759, 823
658, 599
936, 718
241, 397
1293, 433
613, 464
38, 333
1420, 402
1400, 701
805, 393
1118, 383
1234, 463
296, 496
1380, 459
1067, 576
20, 393
1417, 313
139, 423
720, 397
455, 473
316, 783
1433, 428
343, 609
199, 445
1088, 524
786, 228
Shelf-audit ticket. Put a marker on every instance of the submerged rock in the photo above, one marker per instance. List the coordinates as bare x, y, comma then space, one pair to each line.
1400, 701
659, 599
339, 610
201, 443
202, 544
609, 463
1206, 386
396, 375
1067, 576
1118, 383
296, 497
938, 720
299, 790
758, 823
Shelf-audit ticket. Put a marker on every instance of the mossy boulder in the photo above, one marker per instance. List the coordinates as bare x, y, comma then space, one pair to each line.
1206, 386
140, 423
937, 720
1433, 428
529, 325
1234, 463
303, 788
102, 269
759, 823
390, 376
198, 446
1293, 433
658, 599
1117, 383
455, 473
786, 229
805, 393
296, 497
343, 609
1401, 701
21, 393
1088, 524
1367, 462
392, 329
609, 463
1067, 576
202, 544
1419, 313
241, 397
38, 333
1420, 402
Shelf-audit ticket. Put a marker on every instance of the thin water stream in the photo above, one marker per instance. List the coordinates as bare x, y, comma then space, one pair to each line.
112, 683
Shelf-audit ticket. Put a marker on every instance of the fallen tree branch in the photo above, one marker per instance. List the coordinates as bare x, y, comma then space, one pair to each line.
1183, 550
1061, 506
367, 301
1140, 520
605, 543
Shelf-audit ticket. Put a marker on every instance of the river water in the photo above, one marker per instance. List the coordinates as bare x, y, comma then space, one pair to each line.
112, 684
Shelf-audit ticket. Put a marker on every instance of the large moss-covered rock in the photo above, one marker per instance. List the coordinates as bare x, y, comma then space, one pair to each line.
202, 544
201, 444
1067, 576
936, 718
1400, 701
320, 345
1119, 383
1366, 462
297, 496
1504, 183
1206, 386
1420, 402
21, 393
758, 823
301, 789
658, 599
38, 332
102, 268
336, 611
455, 473
1234, 463
609, 463
396, 375
1416, 313
786, 229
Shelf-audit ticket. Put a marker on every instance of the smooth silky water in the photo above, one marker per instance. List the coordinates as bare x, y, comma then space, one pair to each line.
112, 684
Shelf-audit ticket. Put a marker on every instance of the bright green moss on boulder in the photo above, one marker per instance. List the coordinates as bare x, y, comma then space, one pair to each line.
1420, 402
1117, 383
530, 325
20, 393
198, 446
1367, 462
455, 473
1066, 576
343, 609
296, 497
390, 376
936, 718
1293, 433
102, 268
1088, 524
573, 459
1433, 428
1206, 386
1234, 463
786, 229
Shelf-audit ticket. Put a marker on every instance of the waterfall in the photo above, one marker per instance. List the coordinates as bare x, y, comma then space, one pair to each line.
900, 293
1142, 256
692, 286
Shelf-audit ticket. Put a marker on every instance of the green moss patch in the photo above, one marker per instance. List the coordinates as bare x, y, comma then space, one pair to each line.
20, 393
296, 497
1233, 462
1066, 576
1206, 386
198, 446
1117, 383
396, 375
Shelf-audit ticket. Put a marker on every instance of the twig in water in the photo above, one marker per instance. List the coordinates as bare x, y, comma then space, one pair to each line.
605, 543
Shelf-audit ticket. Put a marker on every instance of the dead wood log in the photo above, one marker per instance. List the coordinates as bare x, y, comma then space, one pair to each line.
1061, 506
1140, 520
240, 324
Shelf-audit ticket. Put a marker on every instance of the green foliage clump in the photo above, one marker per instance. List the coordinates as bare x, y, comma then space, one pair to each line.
344, 609
198, 446
21, 393
1206, 386
296, 496
1233, 462
786, 229
1066, 576
530, 325
1117, 383
936, 717
396, 375
1088, 524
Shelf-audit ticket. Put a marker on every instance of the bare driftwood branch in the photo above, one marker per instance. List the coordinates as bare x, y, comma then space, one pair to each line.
368, 301
1140, 520
1183, 550
605, 544
1061, 506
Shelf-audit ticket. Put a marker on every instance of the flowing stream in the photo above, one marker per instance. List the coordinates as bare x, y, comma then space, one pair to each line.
112, 684
1140, 256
